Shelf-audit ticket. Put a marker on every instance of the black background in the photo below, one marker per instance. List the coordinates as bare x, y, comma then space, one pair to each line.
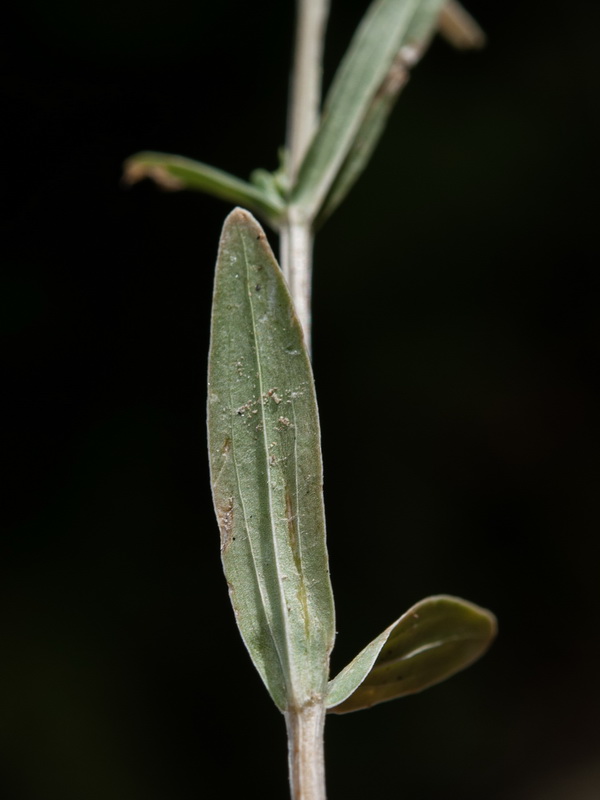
456, 348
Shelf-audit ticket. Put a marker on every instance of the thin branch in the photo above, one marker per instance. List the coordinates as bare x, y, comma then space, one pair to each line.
305, 90
296, 246
296, 237
305, 726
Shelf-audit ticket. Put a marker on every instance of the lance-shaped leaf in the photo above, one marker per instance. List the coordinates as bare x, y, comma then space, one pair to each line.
175, 173
435, 639
266, 472
455, 24
382, 33
367, 138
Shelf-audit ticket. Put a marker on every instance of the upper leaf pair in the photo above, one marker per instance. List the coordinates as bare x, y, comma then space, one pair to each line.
387, 43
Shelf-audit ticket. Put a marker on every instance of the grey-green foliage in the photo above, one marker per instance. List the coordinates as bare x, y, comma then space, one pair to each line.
433, 640
174, 173
391, 31
266, 475
265, 460
262, 416
388, 42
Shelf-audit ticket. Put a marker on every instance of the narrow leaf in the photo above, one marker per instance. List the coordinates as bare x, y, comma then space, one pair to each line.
460, 29
435, 639
367, 138
266, 471
380, 36
175, 173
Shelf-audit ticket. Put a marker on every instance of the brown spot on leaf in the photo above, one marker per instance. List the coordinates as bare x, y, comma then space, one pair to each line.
291, 519
225, 520
272, 394
292, 531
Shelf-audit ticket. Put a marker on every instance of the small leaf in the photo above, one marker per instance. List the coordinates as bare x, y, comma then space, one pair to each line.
175, 173
385, 29
436, 638
266, 472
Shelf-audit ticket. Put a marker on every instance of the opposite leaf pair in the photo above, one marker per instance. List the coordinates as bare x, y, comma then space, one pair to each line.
266, 471
390, 40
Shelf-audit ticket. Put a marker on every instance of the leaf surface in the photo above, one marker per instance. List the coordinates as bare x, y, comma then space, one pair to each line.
433, 640
266, 472
366, 140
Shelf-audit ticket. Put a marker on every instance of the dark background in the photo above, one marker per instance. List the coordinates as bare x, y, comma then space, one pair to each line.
457, 339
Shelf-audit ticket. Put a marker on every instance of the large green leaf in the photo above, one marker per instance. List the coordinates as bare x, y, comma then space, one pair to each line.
175, 173
265, 461
435, 639
387, 26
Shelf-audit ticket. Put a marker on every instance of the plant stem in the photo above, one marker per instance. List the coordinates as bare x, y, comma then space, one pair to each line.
296, 245
305, 89
305, 726
296, 238
306, 761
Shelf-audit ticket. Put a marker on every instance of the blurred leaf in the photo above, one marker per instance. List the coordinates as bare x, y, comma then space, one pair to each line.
367, 138
175, 173
436, 638
388, 26
459, 28
266, 471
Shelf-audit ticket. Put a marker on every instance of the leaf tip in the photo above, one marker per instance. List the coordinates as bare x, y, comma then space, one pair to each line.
138, 167
460, 29
238, 216
242, 218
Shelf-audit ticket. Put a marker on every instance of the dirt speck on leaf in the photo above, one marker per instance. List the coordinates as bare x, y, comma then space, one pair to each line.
225, 520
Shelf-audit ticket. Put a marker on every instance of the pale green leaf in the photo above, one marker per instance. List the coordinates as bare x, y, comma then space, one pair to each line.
366, 140
385, 29
461, 30
435, 639
175, 173
266, 468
